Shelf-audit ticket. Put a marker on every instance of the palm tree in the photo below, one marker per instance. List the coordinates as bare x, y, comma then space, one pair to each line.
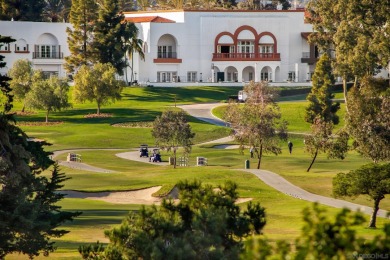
56, 10
133, 45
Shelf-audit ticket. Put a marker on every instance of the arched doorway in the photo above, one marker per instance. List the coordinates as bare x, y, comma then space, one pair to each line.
248, 74
277, 74
266, 74
231, 74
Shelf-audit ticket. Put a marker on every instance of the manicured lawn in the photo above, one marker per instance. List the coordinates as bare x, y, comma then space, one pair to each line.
293, 113
284, 218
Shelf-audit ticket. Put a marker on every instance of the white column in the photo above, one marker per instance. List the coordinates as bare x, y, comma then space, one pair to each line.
308, 72
256, 73
296, 72
212, 73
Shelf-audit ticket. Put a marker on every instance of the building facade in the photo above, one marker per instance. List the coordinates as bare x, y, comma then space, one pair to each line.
223, 46
189, 47
44, 44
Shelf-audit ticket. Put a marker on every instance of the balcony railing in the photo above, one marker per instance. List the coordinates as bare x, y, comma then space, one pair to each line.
48, 55
246, 56
308, 57
167, 55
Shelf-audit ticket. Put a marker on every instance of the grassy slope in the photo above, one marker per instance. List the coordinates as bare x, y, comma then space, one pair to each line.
143, 104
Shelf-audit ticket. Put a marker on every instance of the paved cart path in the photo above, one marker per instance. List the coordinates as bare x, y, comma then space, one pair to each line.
203, 112
80, 165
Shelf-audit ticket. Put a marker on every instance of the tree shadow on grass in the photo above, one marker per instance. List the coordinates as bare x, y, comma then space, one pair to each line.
187, 94
119, 115
98, 217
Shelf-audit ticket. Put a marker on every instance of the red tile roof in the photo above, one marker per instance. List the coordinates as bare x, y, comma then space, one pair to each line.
148, 19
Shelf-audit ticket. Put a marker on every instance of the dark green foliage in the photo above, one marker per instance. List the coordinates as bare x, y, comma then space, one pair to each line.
205, 224
324, 238
26, 10
110, 35
29, 216
5, 89
56, 10
83, 17
369, 121
285, 3
356, 32
320, 100
92, 251
321, 113
372, 180
133, 45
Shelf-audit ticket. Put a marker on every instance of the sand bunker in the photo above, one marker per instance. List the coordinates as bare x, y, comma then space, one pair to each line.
143, 196
226, 146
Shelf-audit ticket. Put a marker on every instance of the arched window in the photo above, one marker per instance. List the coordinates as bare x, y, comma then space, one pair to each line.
246, 43
266, 44
47, 47
166, 47
21, 46
225, 44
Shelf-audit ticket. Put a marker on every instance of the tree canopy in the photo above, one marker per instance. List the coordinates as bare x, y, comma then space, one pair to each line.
27, 10
98, 37
321, 113
321, 104
356, 32
83, 17
258, 123
21, 75
110, 34
6, 91
372, 180
97, 84
206, 223
171, 131
323, 237
369, 124
133, 45
29, 213
49, 95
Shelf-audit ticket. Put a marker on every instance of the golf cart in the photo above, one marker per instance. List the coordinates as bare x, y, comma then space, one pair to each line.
156, 157
143, 150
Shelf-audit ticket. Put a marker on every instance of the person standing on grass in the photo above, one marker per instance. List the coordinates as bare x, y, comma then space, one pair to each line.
290, 146
251, 151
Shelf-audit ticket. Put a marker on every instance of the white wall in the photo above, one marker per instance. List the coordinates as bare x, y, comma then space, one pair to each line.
196, 32
36, 33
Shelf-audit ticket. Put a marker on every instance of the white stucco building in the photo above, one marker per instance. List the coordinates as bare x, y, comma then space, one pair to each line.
44, 44
189, 47
224, 46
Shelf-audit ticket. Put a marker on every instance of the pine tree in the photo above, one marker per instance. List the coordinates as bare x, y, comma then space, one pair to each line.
29, 214
110, 35
321, 113
28, 10
320, 99
5, 88
83, 18
206, 223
